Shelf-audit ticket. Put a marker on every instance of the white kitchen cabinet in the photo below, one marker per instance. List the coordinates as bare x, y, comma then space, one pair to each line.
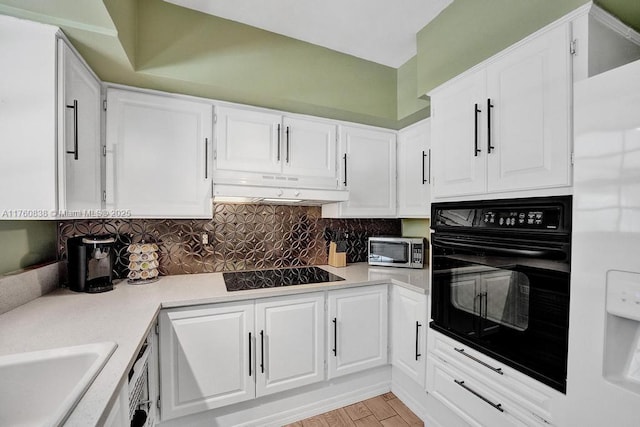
158, 155
269, 149
290, 342
409, 333
368, 171
357, 329
482, 390
80, 150
227, 353
205, 358
44, 75
414, 171
505, 126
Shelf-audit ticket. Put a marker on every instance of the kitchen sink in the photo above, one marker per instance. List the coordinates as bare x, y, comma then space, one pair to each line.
41, 388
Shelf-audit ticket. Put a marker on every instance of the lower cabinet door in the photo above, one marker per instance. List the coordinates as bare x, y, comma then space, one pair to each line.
409, 333
357, 336
205, 358
289, 342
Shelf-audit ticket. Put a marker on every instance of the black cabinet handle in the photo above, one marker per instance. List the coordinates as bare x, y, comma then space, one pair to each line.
335, 336
475, 359
278, 142
262, 351
345, 169
424, 180
75, 129
250, 354
489, 107
287, 144
417, 339
429, 172
498, 406
206, 158
476, 110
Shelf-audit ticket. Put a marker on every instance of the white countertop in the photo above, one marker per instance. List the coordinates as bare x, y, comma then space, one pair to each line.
126, 314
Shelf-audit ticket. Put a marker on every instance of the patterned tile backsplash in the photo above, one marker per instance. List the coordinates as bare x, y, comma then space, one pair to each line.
241, 237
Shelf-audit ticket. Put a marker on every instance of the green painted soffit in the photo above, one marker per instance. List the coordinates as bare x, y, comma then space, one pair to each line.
470, 31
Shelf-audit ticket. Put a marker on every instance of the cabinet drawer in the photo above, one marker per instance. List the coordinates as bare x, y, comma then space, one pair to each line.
473, 400
526, 392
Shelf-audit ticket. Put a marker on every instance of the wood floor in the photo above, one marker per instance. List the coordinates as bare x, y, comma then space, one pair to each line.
384, 410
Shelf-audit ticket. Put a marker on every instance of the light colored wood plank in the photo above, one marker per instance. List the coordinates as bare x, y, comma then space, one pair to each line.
407, 415
389, 396
379, 408
395, 421
369, 421
296, 424
338, 418
357, 411
316, 421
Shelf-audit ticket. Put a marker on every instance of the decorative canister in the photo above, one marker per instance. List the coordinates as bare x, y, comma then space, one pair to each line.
143, 263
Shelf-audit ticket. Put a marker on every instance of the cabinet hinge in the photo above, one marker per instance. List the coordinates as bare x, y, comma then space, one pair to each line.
573, 158
104, 196
573, 47
215, 118
157, 329
104, 105
215, 154
104, 150
158, 403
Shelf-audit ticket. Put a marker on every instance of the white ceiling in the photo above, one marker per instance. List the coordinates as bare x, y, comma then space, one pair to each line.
382, 31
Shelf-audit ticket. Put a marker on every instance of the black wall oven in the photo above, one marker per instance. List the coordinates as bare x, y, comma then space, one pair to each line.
500, 281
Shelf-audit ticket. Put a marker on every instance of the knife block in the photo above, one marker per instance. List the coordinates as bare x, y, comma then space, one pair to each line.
336, 259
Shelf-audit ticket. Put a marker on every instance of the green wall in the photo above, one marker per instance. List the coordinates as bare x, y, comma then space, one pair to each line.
416, 227
26, 243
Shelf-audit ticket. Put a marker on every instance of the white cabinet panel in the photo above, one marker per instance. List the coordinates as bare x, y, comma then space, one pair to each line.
80, 151
248, 140
409, 332
414, 171
357, 321
368, 171
310, 149
530, 91
204, 358
158, 151
290, 352
459, 154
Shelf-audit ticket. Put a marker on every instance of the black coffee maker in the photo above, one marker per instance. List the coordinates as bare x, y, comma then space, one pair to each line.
90, 263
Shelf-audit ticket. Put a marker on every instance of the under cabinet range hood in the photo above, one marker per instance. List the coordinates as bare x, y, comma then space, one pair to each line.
231, 193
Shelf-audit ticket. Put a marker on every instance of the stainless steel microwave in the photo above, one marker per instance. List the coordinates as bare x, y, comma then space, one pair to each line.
397, 251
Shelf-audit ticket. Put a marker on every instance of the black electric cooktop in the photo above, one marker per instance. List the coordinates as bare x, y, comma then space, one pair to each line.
258, 279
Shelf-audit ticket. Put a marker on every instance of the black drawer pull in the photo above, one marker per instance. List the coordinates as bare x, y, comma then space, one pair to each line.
498, 406
475, 359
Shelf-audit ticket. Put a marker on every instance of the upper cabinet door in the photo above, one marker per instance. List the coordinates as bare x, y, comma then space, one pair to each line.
158, 151
368, 162
248, 141
310, 150
459, 153
290, 342
529, 91
414, 171
80, 152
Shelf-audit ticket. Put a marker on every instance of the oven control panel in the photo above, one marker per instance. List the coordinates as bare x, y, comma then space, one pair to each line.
547, 219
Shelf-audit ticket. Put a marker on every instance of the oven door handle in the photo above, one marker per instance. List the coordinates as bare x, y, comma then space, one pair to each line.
531, 253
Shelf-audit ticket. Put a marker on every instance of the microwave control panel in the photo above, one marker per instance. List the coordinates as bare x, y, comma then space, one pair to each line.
416, 256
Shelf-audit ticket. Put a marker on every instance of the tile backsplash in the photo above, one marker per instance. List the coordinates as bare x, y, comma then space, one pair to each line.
241, 237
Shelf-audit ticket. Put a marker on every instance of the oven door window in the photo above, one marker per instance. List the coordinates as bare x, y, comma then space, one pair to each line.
392, 252
494, 296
